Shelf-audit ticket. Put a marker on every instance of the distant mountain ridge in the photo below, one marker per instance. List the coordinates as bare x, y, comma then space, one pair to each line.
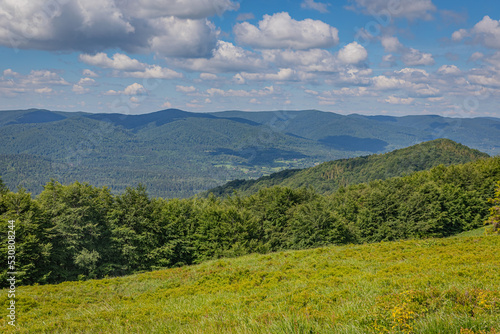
176, 153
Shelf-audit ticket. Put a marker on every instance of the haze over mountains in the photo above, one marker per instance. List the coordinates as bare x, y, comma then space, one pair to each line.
178, 154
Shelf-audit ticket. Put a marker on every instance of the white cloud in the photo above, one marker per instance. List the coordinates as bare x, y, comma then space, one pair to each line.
280, 31
451, 70
284, 74
172, 28
208, 76
133, 89
86, 82
414, 75
459, 35
132, 67
415, 57
389, 60
391, 44
354, 76
314, 60
352, 53
486, 32
409, 56
387, 10
319, 6
399, 100
225, 58
185, 89
476, 56
79, 89
38, 81
383, 82
154, 72
44, 90
241, 93
187, 9
166, 105
493, 59
183, 38
484, 77
119, 61
357, 91
418, 89
89, 73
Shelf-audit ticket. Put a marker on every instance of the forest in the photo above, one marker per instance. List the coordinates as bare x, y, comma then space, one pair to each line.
78, 231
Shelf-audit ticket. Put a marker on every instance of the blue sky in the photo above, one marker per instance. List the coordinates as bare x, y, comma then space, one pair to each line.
392, 57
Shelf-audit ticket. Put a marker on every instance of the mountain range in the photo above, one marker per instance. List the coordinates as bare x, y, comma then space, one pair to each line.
175, 153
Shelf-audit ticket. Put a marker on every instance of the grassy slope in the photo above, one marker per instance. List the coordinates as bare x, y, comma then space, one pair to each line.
419, 286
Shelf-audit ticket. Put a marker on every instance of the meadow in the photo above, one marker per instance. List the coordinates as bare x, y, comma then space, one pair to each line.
448, 285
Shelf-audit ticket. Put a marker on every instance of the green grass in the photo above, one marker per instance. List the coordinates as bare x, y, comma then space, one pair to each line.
417, 286
474, 233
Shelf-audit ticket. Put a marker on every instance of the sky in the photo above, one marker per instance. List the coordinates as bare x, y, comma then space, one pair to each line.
371, 57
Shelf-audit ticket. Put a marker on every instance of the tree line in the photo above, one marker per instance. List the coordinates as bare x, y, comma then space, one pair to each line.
78, 231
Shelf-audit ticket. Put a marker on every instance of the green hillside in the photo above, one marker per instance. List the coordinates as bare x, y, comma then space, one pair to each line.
78, 231
417, 286
181, 154
329, 176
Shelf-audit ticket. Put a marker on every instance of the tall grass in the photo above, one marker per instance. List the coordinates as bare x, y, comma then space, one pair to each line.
417, 286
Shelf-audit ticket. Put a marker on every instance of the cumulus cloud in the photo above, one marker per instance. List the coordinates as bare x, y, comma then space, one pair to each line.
89, 73
133, 89
484, 77
117, 62
319, 6
39, 81
208, 76
411, 87
187, 9
386, 10
399, 100
154, 72
44, 90
284, 74
172, 28
476, 56
414, 57
185, 89
314, 60
280, 31
451, 70
409, 56
352, 53
357, 91
132, 67
183, 38
225, 58
486, 32
79, 89
391, 44
241, 93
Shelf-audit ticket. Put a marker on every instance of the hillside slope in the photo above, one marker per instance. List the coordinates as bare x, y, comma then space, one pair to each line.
329, 176
418, 286
179, 154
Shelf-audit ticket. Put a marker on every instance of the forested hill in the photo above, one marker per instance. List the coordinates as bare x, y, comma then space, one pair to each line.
175, 153
329, 176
